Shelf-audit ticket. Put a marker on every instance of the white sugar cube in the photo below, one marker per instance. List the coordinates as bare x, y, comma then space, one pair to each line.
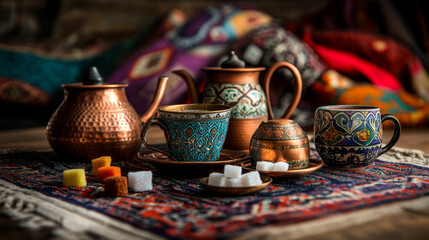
264, 165
280, 166
232, 171
140, 181
234, 182
251, 179
217, 179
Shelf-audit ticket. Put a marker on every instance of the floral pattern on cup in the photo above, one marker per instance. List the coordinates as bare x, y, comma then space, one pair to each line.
350, 136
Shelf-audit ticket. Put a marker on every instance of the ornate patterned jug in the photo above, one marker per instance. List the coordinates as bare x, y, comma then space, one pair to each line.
238, 87
96, 119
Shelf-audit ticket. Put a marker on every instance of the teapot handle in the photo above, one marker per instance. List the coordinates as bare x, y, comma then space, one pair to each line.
297, 88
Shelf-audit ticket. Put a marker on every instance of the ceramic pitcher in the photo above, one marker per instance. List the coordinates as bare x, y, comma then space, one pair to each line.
238, 87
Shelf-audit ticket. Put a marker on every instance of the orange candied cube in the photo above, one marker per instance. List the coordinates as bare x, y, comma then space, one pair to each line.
108, 171
97, 163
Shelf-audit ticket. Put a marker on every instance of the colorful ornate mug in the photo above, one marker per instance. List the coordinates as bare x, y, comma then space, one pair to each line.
194, 132
350, 136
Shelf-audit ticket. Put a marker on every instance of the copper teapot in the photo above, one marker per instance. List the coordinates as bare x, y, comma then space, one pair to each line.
238, 87
96, 119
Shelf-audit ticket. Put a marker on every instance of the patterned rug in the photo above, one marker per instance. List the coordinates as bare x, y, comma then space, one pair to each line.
31, 192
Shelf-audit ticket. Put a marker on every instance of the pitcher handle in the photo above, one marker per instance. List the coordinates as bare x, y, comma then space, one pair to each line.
297, 88
151, 147
192, 88
396, 132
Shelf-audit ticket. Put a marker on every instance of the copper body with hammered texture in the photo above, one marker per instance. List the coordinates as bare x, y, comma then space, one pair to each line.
280, 140
94, 121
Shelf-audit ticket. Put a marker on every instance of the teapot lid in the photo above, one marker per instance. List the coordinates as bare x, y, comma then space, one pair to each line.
233, 64
93, 79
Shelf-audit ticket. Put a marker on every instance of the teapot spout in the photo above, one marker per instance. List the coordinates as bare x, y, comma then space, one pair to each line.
160, 90
156, 100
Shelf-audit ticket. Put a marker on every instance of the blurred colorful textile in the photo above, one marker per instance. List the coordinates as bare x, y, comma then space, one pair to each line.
371, 70
272, 43
47, 72
195, 44
350, 52
335, 88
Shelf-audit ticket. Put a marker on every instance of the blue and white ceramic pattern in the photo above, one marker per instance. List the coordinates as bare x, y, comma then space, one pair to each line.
194, 132
350, 136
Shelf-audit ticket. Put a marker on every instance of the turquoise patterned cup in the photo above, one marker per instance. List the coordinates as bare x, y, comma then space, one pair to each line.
193, 132
350, 136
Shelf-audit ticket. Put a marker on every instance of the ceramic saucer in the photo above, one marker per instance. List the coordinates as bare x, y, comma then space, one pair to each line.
191, 169
236, 191
315, 164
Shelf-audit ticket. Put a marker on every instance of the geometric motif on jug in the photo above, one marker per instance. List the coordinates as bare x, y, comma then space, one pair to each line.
247, 100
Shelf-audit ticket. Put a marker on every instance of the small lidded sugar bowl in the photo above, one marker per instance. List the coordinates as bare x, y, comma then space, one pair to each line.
280, 140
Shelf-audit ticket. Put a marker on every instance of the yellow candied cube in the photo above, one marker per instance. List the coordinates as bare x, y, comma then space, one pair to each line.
97, 163
74, 178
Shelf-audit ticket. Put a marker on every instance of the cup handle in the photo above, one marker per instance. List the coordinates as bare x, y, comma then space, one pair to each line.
151, 147
297, 88
396, 132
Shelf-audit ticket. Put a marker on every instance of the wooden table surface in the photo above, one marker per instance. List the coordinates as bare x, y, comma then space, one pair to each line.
35, 138
408, 223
